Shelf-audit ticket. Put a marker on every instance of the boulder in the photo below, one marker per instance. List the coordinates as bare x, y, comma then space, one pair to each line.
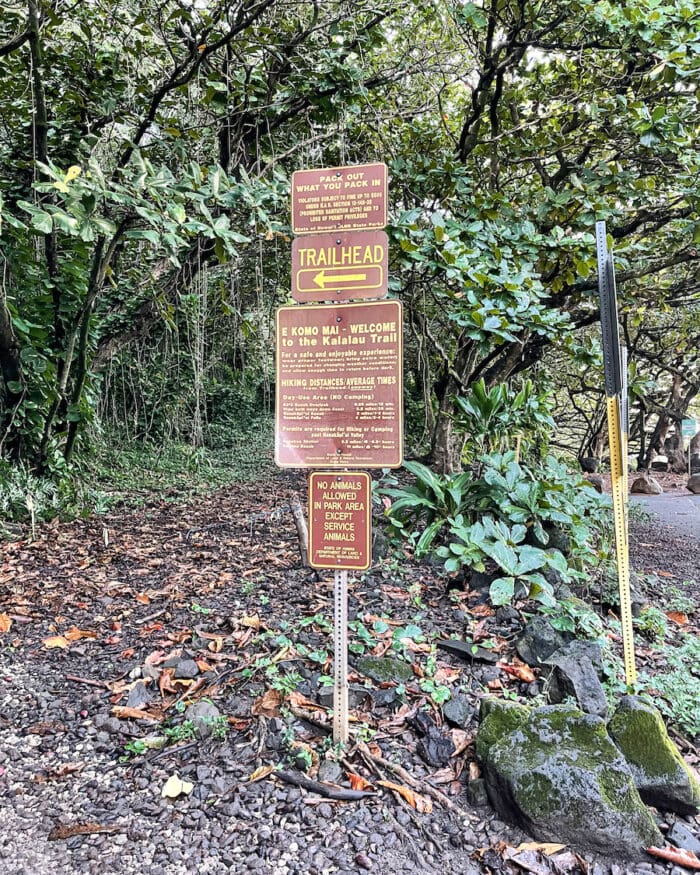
658, 465
693, 484
646, 485
555, 772
574, 672
590, 465
660, 774
539, 640
695, 463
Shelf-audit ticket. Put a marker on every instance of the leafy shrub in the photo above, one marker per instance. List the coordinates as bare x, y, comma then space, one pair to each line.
492, 418
505, 516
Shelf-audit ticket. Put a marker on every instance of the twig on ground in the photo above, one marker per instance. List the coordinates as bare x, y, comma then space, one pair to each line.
422, 786
326, 790
89, 681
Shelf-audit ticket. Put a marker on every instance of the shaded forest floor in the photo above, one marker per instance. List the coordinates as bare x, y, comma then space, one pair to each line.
116, 626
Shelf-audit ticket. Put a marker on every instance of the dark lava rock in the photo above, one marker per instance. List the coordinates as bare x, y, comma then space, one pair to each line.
467, 650
458, 710
573, 673
539, 641
646, 485
203, 715
383, 669
681, 837
329, 772
476, 792
434, 747
138, 696
186, 669
555, 771
590, 465
661, 775
693, 484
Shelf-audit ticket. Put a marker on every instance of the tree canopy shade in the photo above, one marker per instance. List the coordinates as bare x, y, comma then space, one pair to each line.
146, 150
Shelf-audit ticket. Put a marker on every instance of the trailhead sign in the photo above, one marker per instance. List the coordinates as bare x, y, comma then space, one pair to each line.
339, 386
339, 511
339, 199
341, 266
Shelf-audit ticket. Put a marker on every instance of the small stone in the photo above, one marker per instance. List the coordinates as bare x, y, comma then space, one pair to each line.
382, 669
476, 792
458, 710
329, 772
203, 714
693, 484
186, 669
363, 861
539, 640
574, 673
138, 696
681, 837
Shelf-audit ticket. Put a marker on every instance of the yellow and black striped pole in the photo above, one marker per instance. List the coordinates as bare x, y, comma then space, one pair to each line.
615, 369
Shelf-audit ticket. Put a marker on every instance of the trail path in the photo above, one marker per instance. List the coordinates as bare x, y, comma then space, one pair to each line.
680, 513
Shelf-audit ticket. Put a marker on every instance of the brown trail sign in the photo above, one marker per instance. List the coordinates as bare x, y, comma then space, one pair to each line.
339, 198
341, 266
339, 386
339, 515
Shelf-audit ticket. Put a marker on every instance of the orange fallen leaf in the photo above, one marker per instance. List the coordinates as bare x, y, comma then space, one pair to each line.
56, 641
75, 634
299, 701
422, 804
251, 622
216, 644
676, 855
665, 574
680, 618
5, 623
517, 669
547, 848
142, 598
357, 782
123, 712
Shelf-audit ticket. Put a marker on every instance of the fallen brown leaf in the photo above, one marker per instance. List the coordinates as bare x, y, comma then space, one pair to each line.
678, 617
357, 782
267, 705
75, 634
676, 855
517, 669
125, 713
56, 641
261, 773
5, 623
422, 804
547, 848
67, 831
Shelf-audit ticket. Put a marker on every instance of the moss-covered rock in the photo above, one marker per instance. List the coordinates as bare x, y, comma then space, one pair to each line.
555, 772
383, 669
661, 775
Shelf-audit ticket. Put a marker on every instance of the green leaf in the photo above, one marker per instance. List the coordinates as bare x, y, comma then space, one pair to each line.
501, 590
41, 221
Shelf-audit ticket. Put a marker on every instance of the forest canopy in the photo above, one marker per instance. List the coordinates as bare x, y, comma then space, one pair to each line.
146, 151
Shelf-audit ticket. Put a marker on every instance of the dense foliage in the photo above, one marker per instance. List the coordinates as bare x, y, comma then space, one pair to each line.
145, 156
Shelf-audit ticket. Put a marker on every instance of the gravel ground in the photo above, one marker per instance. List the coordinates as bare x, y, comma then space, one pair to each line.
147, 582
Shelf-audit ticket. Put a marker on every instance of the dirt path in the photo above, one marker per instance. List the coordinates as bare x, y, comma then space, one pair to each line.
120, 623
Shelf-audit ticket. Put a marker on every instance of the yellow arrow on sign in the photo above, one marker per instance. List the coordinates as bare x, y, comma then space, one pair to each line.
322, 279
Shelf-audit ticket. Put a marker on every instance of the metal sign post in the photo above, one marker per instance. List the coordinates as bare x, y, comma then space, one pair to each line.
614, 358
340, 658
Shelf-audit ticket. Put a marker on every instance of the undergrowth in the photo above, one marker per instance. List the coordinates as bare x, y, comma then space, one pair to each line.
117, 471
